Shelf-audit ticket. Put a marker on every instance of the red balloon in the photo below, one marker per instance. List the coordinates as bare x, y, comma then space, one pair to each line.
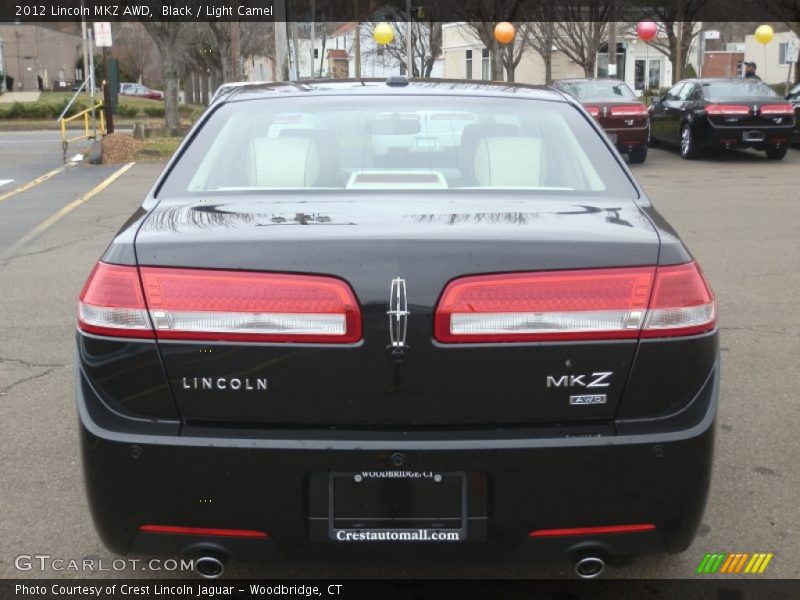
646, 30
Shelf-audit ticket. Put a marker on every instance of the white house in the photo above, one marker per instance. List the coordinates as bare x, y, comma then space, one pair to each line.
771, 58
375, 61
639, 64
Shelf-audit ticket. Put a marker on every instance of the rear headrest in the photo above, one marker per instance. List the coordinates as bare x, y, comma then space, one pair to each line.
286, 162
472, 134
509, 162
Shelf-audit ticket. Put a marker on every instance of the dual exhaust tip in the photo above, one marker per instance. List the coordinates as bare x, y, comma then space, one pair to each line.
589, 566
209, 567
586, 567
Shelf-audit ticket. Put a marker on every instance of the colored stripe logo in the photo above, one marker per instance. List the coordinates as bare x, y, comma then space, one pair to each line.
735, 562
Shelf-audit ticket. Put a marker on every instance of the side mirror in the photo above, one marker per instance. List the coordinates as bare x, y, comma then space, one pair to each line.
656, 99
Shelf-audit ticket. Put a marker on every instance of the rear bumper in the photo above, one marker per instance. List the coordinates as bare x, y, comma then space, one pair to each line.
627, 139
746, 137
527, 483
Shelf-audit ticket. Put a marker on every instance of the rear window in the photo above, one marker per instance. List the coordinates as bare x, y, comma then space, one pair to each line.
598, 90
396, 143
722, 90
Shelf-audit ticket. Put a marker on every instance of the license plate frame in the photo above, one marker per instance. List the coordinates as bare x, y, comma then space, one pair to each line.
754, 136
384, 506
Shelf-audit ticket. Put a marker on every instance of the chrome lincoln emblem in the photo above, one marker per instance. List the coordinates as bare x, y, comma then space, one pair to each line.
398, 313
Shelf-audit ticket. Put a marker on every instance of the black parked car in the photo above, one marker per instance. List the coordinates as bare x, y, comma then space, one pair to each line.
794, 98
437, 313
713, 114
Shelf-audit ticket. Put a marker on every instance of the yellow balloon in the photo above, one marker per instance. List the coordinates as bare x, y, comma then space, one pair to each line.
383, 33
764, 34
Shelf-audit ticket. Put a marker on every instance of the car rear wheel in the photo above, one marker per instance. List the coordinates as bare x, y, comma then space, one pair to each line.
688, 150
778, 153
638, 155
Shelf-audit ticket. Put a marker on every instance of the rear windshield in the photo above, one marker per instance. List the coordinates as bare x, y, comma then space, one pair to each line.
396, 143
721, 90
598, 90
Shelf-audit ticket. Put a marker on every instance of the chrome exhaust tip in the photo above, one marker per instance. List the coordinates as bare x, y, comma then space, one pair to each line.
589, 567
209, 567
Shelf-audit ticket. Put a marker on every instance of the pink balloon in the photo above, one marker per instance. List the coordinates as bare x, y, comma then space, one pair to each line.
646, 30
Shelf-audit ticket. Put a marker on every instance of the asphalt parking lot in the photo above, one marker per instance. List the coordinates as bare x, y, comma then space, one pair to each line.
739, 214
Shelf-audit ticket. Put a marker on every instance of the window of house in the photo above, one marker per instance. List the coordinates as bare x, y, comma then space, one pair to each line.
485, 72
783, 50
469, 65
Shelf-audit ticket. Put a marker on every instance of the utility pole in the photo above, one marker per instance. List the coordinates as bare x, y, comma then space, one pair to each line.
612, 40
409, 42
92, 83
85, 52
313, 37
281, 42
357, 44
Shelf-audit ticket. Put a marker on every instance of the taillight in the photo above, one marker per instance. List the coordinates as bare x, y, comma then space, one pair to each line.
593, 110
682, 303
211, 305
635, 110
730, 110
112, 303
589, 304
777, 110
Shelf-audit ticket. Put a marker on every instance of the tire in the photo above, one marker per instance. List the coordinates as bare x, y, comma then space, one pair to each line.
638, 156
776, 153
688, 150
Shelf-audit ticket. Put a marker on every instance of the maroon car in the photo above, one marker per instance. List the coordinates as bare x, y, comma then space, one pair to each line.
618, 110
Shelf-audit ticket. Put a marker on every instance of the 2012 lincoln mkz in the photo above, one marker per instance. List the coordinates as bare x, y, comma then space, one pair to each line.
382, 314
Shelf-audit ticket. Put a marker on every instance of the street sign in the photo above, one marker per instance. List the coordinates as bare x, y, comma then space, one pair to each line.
712, 34
102, 35
793, 50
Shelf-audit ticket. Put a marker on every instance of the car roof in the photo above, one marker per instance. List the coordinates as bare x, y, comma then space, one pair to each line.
741, 80
421, 87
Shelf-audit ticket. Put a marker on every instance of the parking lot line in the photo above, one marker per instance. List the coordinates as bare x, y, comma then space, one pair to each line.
52, 220
32, 183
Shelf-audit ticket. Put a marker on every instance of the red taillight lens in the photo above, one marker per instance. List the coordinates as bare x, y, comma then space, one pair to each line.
635, 110
731, 110
593, 110
203, 531
232, 305
682, 303
211, 305
603, 529
777, 110
575, 305
112, 303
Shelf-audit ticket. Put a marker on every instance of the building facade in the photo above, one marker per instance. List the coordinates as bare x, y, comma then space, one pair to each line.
40, 58
771, 58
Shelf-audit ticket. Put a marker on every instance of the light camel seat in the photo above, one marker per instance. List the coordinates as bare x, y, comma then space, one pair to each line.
283, 162
509, 162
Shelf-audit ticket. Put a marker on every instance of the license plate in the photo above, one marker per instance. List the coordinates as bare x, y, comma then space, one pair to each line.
753, 136
427, 143
398, 506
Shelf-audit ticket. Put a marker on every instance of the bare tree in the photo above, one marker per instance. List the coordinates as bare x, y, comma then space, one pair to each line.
171, 45
789, 14
133, 49
543, 34
511, 54
581, 29
680, 22
490, 13
426, 42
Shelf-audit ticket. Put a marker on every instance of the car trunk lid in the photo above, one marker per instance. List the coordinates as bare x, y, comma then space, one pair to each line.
426, 241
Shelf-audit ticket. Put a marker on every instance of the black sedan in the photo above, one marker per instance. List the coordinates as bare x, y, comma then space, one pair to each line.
794, 98
388, 314
714, 114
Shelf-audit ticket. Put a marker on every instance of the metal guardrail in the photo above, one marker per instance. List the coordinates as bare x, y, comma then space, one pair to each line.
88, 132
